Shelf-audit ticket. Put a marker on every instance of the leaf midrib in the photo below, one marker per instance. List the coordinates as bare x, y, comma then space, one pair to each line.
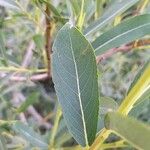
118, 36
29, 135
79, 94
107, 19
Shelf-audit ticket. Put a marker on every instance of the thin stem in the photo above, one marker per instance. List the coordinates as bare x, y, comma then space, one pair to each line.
144, 4
11, 68
100, 139
82, 16
54, 129
99, 8
48, 41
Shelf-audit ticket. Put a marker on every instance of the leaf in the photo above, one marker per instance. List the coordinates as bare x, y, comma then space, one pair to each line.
140, 108
135, 132
57, 16
75, 78
127, 31
107, 104
136, 92
32, 98
30, 135
145, 96
138, 75
121, 34
117, 8
39, 41
3, 60
9, 4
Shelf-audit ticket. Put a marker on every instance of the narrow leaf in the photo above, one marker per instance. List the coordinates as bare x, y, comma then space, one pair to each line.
127, 31
39, 41
30, 135
75, 78
138, 75
136, 92
117, 8
145, 96
32, 98
135, 132
140, 108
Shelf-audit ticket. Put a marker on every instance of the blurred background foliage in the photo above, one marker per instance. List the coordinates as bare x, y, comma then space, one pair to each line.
30, 116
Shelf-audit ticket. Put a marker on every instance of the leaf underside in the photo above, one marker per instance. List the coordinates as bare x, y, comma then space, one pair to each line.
75, 78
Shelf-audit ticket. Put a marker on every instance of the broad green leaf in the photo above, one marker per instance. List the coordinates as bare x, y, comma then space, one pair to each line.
107, 104
117, 8
9, 4
138, 75
135, 132
31, 99
75, 78
127, 31
29, 134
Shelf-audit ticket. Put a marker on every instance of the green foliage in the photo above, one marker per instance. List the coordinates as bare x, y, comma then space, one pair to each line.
72, 76
133, 131
34, 138
113, 11
94, 104
127, 31
31, 99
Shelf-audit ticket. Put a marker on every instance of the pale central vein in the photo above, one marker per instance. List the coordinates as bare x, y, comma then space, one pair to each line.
113, 15
118, 36
79, 94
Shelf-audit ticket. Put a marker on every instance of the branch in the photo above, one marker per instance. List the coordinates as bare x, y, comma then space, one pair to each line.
123, 48
48, 41
33, 78
109, 53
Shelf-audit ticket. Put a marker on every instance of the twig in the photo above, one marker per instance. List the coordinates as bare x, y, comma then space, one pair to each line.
28, 55
124, 48
31, 110
16, 103
37, 77
112, 51
54, 129
48, 41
